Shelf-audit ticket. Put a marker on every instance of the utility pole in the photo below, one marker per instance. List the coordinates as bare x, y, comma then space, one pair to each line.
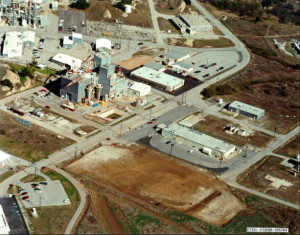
35, 170
150, 115
275, 129
75, 152
121, 130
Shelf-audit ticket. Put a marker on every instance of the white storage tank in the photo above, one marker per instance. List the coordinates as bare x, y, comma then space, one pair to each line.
127, 9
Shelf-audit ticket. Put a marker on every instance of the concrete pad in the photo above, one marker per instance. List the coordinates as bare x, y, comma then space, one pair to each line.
52, 194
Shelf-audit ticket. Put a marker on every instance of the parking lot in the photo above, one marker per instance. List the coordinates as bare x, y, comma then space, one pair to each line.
70, 19
52, 194
208, 64
13, 215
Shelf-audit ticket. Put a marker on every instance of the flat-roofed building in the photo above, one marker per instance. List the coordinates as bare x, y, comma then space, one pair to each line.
68, 42
246, 110
12, 45
176, 55
194, 139
4, 227
103, 43
182, 67
77, 39
156, 66
139, 89
66, 60
28, 38
160, 79
196, 23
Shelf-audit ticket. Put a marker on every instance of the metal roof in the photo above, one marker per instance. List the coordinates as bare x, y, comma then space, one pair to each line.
140, 87
184, 65
103, 42
176, 54
13, 45
194, 20
157, 77
199, 138
68, 40
69, 60
246, 107
76, 35
154, 65
28, 36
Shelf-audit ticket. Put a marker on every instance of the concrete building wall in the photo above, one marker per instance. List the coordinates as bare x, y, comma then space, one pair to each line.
244, 113
106, 71
77, 41
101, 60
75, 92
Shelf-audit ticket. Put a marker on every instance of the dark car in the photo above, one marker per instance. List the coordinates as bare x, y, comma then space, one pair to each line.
153, 119
43, 183
149, 122
140, 43
34, 184
198, 72
23, 194
47, 107
168, 142
11, 185
25, 198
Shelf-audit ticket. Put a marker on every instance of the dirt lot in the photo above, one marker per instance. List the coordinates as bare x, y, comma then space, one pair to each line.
290, 148
254, 178
215, 127
140, 58
30, 143
131, 170
172, 7
142, 13
200, 43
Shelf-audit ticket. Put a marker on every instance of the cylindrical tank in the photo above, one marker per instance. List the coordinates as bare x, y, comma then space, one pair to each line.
88, 92
98, 91
127, 9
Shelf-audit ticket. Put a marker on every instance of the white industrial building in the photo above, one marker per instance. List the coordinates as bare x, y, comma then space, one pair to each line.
4, 227
12, 45
176, 56
28, 38
139, 89
192, 24
156, 78
103, 43
4, 159
181, 67
194, 139
74, 40
66, 60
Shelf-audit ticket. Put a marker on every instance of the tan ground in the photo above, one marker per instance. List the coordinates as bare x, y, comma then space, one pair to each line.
143, 172
135, 61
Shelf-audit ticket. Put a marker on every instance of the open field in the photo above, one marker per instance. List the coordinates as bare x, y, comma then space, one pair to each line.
131, 170
200, 43
5, 175
290, 148
215, 127
254, 178
32, 178
54, 220
30, 143
165, 25
141, 12
172, 7
269, 85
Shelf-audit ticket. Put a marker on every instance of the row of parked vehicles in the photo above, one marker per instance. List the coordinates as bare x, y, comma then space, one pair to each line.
36, 188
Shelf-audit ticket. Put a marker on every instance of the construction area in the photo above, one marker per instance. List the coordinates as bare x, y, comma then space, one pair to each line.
271, 177
145, 173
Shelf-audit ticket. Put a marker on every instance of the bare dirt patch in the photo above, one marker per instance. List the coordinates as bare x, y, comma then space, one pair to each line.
254, 178
143, 172
290, 148
214, 126
141, 12
200, 43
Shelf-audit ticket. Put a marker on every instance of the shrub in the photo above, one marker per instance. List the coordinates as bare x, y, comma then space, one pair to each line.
80, 4
7, 82
188, 2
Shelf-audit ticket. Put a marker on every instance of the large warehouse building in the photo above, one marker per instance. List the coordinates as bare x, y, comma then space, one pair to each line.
193, 139
159, 79
246, 110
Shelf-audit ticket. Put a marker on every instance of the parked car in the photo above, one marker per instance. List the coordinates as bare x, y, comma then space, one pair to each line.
25, 198
149, 122
44, 183
47, 107
140, 43
37, 94
153, 119
168, 142
34, 184
37, 190
23, 194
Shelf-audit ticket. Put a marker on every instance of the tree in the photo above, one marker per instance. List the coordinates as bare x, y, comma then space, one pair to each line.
80, 4
8, 83
188, 2
290, 6
267, 3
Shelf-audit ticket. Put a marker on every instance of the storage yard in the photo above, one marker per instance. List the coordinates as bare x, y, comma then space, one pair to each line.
145, 173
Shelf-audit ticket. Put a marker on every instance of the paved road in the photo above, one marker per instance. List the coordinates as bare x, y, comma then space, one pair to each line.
154, 16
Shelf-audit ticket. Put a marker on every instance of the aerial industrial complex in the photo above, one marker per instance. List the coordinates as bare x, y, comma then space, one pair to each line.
111, 115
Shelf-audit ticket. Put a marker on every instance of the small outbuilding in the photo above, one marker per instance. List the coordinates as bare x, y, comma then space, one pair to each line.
139, 89
246, 110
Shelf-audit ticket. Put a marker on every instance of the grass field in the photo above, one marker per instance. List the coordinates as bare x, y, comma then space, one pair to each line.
254, 178
30, 143
5, 175
165, 25
290, 148
32, 178
215, 127
54, 220
200, 43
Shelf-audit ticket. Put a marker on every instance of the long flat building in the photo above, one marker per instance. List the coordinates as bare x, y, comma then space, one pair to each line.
246, 110
194, 139
160, 79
